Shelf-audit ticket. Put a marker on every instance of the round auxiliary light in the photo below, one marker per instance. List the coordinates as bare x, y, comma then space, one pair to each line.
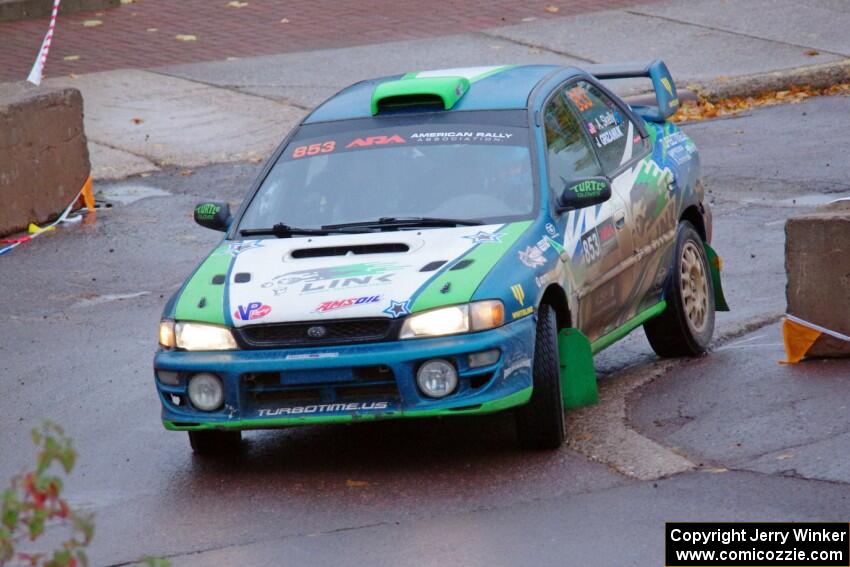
206, 392
437, 378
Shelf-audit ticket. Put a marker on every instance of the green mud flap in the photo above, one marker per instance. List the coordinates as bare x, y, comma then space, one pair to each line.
578, 376
715, 263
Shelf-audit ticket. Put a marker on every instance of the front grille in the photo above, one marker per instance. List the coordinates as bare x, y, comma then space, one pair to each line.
310, 387
339, 331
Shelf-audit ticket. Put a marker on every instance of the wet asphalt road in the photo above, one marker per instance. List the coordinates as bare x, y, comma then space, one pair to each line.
79, 313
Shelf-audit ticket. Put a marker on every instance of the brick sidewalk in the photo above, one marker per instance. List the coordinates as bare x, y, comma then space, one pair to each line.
142, 34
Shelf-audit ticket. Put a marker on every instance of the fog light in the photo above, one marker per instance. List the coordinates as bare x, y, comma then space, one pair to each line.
168, 377
484, 358
206, 392
437, 378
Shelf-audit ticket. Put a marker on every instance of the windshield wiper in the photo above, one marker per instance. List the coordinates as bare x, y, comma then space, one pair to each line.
396, 222
284, 231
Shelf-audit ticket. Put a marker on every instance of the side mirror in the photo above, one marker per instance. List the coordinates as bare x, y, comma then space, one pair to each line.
584, 193
214, 215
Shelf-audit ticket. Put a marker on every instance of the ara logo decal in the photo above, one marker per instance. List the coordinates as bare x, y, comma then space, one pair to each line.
482, 236
519, 293
398, 308
375, 141
253, 310
326, 306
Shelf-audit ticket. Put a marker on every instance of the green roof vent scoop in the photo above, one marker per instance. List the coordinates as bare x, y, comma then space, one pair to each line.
424, 91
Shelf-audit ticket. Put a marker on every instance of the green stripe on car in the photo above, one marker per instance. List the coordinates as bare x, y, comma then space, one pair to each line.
457, 286
201, 299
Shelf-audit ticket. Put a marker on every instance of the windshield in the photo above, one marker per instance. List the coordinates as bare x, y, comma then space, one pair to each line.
460, 171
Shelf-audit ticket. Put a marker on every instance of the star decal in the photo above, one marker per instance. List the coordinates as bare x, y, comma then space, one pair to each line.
482, 236
236, 248
398, 308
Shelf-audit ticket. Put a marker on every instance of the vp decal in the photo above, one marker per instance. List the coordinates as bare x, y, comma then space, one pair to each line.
251, 311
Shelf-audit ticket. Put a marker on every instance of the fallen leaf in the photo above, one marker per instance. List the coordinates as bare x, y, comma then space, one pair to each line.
187, 172
284, 20
811, 52
232, 59
153, 30
125, 2
716, 470
92, 23
146, 174
99, 14
784, 456
236, 4
136, 120
71, 57
356, 483
185, 37
529, 19
255, 160
72, 76
552, 9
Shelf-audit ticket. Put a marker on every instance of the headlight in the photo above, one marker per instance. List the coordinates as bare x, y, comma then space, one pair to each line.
200, 336
477, 316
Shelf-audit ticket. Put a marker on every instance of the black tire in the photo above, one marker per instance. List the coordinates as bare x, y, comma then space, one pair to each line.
540, 423
686, 326
212, 442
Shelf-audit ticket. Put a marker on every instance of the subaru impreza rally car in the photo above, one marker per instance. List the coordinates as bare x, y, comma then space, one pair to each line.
432, 244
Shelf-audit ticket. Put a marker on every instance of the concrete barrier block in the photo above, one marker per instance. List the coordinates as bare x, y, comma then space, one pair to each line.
44, 159
817, 263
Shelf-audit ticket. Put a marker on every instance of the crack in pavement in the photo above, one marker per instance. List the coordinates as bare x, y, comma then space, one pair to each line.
493, 35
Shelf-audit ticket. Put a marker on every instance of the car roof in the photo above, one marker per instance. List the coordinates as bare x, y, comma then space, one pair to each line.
490, 88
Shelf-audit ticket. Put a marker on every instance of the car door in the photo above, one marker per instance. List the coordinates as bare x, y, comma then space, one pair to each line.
625, 156
595, 239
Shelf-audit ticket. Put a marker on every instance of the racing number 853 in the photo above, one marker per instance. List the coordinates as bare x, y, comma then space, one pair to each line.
314, 149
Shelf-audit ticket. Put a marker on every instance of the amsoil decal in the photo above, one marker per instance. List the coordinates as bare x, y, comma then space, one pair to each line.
251, 311
324, 408
326, 306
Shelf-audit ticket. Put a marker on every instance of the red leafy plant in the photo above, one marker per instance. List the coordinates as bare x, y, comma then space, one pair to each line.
33, 505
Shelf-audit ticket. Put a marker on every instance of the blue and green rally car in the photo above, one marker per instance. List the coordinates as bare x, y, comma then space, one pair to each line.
444, 243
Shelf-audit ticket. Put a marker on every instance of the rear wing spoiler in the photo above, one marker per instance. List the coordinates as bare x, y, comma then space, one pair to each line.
665, 89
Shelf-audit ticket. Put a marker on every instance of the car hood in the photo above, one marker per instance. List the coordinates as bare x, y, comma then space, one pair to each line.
384, 274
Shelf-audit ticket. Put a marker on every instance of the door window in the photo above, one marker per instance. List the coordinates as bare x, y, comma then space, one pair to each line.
614, 136
568, 153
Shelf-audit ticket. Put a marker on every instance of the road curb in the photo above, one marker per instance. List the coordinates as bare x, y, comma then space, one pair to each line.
816, 76
603, 432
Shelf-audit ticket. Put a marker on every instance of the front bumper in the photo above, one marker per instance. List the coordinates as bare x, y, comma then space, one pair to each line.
278, 388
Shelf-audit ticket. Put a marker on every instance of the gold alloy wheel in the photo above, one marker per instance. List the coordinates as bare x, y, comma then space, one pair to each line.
694, 287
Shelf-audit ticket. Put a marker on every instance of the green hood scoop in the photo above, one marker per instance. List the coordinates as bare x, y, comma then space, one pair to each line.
443, 92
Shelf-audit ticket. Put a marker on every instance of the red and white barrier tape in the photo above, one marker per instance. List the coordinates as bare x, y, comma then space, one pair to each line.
38, 68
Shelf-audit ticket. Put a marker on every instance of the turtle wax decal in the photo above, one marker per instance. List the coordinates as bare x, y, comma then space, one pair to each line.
334, 278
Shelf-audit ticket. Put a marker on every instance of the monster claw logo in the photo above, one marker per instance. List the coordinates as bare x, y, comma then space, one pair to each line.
667, 86
253, 310
519, 293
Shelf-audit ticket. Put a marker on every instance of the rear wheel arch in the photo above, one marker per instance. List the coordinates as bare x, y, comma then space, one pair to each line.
692, 215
